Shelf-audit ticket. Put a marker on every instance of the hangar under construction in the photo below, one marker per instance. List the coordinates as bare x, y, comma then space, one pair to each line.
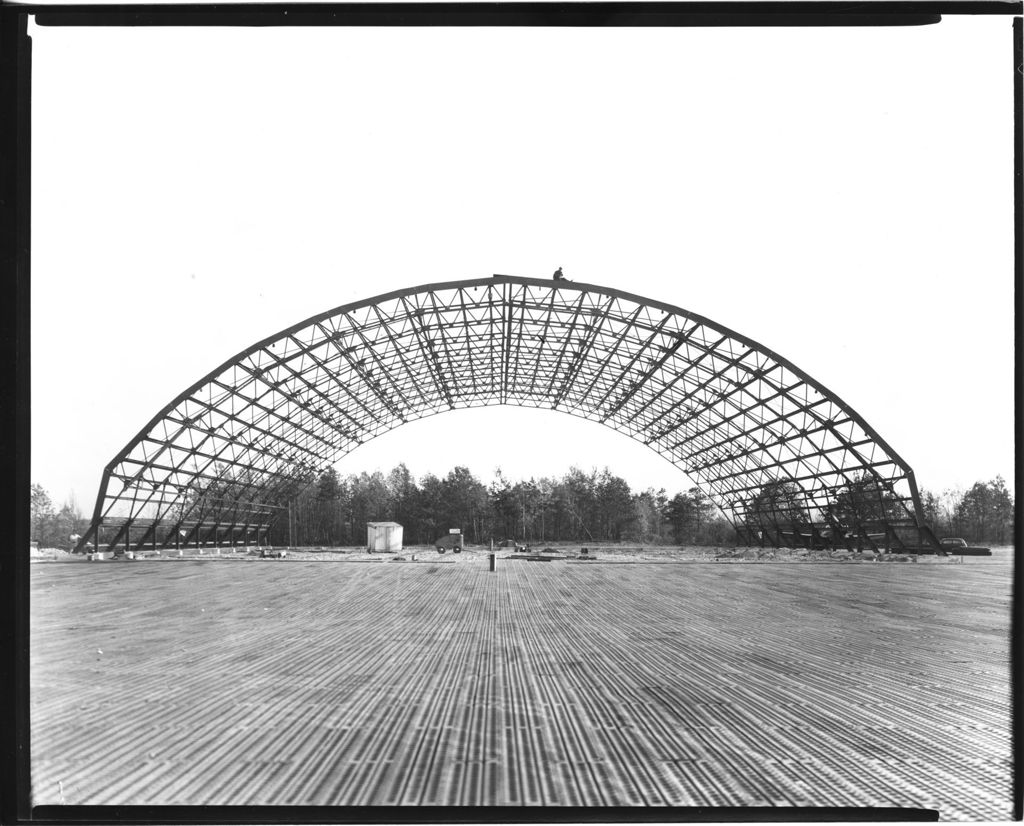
787, 461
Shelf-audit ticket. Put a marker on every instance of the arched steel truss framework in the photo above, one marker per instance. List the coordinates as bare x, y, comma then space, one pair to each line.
787, 461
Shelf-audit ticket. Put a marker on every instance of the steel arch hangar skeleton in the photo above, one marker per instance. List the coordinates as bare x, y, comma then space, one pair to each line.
787, 461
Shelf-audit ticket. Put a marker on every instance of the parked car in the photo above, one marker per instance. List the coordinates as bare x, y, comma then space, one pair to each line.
958, 546
270, 553
451, 541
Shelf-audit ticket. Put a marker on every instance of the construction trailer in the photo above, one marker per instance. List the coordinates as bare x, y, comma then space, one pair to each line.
384, 537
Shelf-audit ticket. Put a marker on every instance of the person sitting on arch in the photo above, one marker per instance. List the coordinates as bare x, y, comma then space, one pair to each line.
558, 275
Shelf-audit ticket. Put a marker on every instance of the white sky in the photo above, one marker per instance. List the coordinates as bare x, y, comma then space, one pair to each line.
842, 196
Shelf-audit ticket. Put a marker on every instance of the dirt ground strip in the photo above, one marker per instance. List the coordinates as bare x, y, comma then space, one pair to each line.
541, 683
602, 552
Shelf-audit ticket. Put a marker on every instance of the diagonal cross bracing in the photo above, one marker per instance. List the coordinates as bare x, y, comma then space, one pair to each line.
765, 441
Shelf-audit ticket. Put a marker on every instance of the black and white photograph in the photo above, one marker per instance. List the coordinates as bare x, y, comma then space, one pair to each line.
309, 525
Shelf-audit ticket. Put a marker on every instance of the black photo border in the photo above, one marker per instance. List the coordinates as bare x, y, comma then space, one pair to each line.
15, 401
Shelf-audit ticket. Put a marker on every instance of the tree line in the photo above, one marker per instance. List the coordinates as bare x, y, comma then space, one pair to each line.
52, 527
982, 513
578, 506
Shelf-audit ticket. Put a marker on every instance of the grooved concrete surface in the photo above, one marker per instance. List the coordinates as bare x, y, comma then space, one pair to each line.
290, 682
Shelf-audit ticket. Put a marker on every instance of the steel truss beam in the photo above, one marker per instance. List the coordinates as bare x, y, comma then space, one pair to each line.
787, 461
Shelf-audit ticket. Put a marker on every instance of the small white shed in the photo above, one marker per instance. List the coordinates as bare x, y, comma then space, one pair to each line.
383, 536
